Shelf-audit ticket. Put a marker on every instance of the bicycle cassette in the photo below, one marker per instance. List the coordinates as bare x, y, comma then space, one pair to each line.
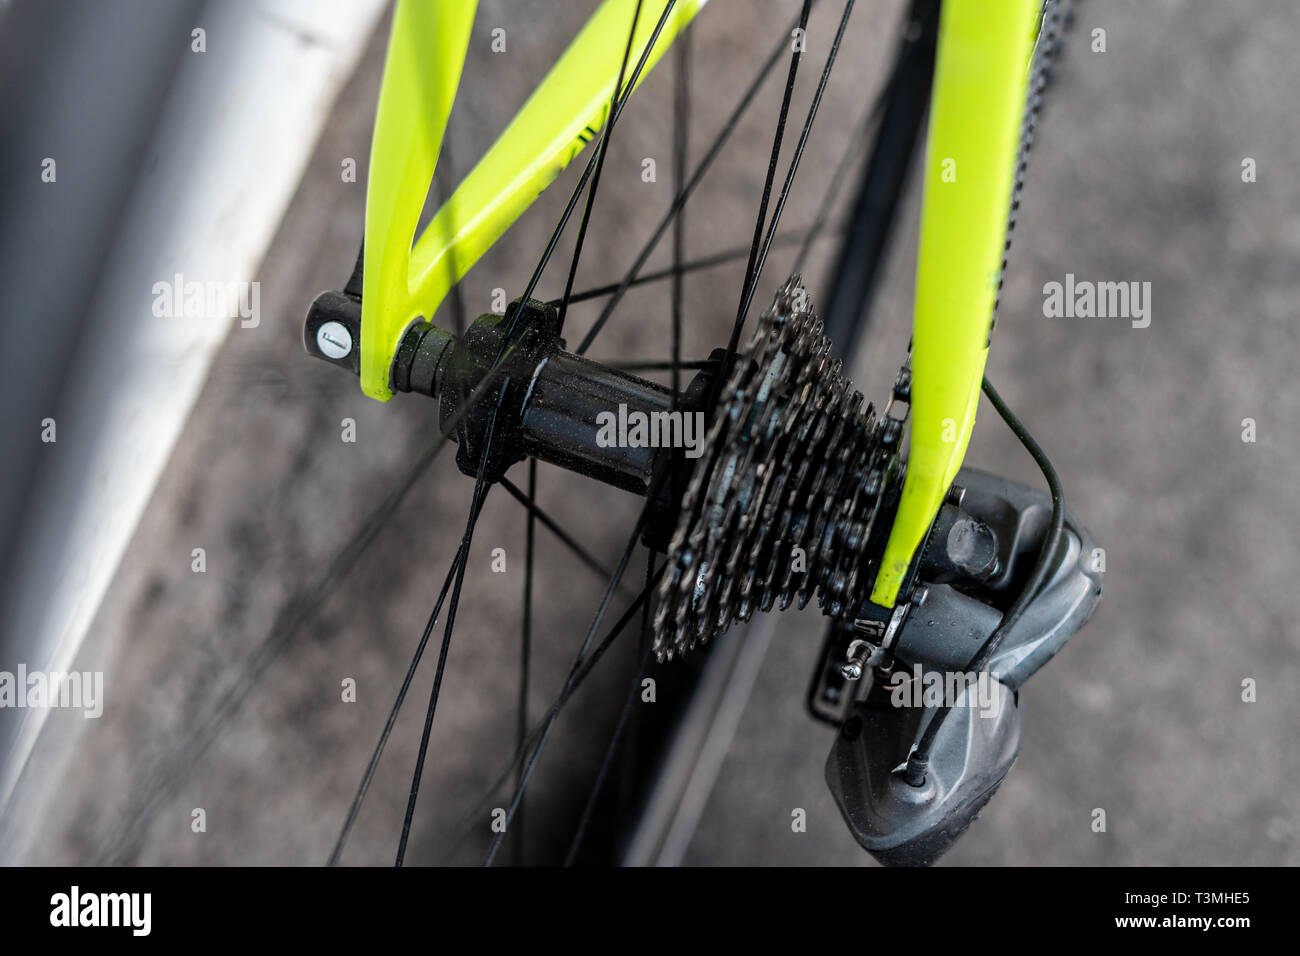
788, 489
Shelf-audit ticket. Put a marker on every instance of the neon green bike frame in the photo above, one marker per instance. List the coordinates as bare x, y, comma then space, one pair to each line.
981, 75
977, 107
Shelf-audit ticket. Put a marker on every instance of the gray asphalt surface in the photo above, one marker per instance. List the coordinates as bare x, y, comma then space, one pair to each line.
1136, 176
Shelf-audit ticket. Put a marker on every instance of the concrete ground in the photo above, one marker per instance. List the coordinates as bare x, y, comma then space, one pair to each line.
224, 687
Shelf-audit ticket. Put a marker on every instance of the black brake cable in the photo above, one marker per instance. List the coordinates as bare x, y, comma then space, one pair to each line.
919, 760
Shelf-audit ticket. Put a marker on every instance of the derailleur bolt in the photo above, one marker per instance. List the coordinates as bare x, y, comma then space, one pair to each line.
856, 663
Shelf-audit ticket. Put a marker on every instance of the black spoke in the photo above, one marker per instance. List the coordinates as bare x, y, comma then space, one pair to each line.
752, 269
681, 130
369, 775
759, 257
481, 487
585, 665
849, 159
710, 155
577, 667
553, 526
902, 104
507, 340
707, 262
716, 388
600, 165
794, 161
611, 750
526, 645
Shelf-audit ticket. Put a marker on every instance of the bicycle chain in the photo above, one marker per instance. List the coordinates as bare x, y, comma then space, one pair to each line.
1056, 16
